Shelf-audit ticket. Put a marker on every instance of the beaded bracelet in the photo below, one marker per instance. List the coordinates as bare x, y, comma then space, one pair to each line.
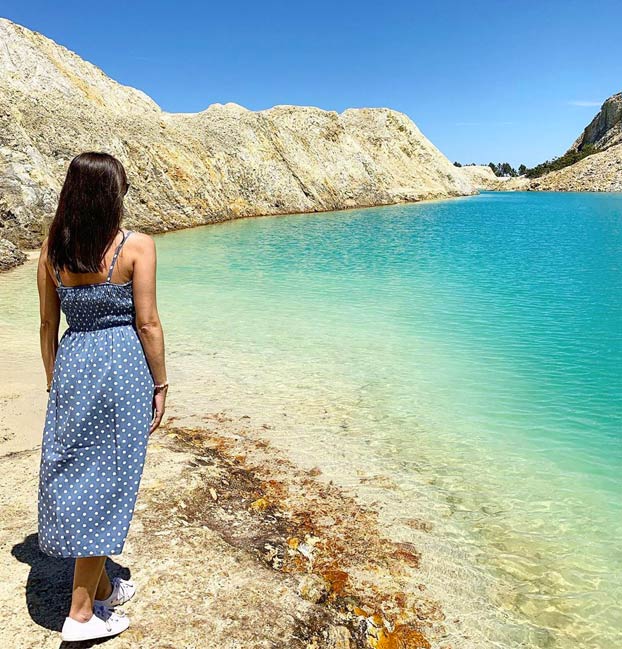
161, 386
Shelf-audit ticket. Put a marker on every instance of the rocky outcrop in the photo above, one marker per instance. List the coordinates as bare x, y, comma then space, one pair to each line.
598, 172
10, 255
605, 129
190, 169
483, 177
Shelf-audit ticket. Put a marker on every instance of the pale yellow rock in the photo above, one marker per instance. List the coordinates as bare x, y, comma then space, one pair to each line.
605, 129
313, 588
482, 177
599, 172
189, 169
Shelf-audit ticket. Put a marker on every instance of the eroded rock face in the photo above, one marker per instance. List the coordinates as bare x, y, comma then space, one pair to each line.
10, 255
191, 169
600, 172
605, 129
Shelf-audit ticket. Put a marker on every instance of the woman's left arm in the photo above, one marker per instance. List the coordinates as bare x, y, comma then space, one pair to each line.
49, 313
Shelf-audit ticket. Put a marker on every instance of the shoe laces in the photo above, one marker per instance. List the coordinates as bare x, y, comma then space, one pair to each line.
122, 588
103, 614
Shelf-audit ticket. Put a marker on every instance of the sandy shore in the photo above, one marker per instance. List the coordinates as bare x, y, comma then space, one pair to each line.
277, 545
251, 551
274, 554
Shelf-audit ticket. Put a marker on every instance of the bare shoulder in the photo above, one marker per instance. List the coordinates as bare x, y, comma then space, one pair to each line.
43, 252
141, 242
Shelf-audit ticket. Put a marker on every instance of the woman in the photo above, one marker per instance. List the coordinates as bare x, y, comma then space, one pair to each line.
106, 382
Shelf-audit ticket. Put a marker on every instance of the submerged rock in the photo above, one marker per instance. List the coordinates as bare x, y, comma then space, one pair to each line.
313, 588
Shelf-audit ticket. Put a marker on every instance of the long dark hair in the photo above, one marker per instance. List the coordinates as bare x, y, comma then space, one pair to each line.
89, 213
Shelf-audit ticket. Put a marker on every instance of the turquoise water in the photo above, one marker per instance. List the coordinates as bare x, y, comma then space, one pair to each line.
478, 341
469, 348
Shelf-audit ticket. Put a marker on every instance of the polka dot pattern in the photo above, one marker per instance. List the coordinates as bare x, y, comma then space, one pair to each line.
96, 424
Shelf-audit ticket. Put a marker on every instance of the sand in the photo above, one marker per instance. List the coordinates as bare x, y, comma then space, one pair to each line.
250, 551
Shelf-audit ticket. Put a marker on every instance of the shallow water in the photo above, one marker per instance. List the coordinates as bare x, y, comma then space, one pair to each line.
469, 348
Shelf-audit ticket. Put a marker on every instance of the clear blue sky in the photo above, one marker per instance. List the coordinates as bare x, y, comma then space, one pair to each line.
502, 80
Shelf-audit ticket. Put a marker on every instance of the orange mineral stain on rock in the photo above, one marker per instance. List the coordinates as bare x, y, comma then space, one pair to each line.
359, 611
355, 577
276, 488
337, 579
408, 553
402, 637
259, 505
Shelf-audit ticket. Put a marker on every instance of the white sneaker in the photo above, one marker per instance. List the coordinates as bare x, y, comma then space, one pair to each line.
103, 624
122, 591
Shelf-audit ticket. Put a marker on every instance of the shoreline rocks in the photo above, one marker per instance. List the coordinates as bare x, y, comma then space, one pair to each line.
354, 592
10, 255
599, 172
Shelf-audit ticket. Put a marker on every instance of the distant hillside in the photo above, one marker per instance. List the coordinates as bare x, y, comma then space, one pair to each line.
484, 178
189, 169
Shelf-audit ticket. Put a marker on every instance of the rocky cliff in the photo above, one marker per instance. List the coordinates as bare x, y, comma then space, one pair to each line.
605, 129
191, 169
599, 172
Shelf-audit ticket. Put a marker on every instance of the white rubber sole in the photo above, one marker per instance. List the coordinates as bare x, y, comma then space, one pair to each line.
91, 634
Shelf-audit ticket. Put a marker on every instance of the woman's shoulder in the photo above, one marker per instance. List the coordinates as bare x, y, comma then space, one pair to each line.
141, 242
139, 238
43, 253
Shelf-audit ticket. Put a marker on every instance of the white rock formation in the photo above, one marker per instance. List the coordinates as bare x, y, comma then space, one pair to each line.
190, 169
483, 177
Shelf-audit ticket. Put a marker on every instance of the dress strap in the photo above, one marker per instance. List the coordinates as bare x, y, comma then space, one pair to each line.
116, 254
60, 281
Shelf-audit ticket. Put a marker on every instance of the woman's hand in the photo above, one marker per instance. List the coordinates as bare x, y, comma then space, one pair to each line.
159, 401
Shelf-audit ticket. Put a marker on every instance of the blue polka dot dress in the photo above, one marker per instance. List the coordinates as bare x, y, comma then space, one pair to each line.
96, 424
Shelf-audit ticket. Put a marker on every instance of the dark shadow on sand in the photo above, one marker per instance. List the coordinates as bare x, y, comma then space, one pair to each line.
48, 589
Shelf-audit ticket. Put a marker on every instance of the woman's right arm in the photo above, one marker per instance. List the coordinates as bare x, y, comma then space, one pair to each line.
148, 323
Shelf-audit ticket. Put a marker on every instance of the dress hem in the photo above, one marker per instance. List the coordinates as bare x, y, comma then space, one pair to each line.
82, 555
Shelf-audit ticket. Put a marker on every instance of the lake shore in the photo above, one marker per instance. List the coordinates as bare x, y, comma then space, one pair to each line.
344, 382
280, 553
274, 555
